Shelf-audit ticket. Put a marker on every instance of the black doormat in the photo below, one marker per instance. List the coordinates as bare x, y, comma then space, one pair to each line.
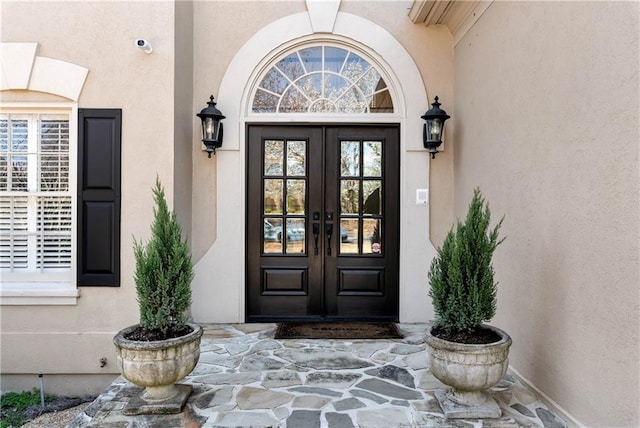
338, 330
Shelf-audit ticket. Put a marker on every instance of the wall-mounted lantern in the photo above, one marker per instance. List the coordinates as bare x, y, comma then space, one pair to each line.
433, 131
211, 126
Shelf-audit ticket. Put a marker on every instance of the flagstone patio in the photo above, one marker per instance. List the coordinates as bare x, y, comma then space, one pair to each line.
246, 378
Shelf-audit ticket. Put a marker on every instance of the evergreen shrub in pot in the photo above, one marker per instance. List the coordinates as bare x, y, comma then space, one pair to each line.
164, 347
464, 353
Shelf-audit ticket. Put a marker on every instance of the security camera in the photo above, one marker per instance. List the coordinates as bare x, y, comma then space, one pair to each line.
144, 45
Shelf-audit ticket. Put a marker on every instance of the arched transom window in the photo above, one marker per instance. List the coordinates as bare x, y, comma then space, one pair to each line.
322, 79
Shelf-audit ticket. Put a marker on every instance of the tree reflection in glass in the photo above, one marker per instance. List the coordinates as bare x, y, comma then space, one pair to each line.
284, 163
322, 79
350, 158
372, 158
361, 197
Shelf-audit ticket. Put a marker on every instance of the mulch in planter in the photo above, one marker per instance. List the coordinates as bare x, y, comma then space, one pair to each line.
477, 336
338, 330
141, 334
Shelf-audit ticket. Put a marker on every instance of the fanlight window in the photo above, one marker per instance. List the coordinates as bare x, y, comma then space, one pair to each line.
322, 79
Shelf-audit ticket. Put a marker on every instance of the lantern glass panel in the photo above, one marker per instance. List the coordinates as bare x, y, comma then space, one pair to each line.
208, 128
436, 128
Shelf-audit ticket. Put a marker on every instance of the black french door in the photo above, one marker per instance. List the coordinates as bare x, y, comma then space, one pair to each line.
322, 223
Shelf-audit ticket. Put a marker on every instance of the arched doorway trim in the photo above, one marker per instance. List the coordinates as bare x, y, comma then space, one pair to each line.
225, 260
235, 89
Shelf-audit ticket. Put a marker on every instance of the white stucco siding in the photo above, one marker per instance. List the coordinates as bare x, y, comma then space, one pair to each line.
546, 112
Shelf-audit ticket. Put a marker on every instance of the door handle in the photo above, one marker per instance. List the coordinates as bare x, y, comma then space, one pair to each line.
329, 230
316, 234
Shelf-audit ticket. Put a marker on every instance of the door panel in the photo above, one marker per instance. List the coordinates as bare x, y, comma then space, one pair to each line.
281, 178
361, 279
322, 223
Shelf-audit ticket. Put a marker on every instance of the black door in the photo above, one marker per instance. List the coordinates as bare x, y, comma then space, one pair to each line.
322, 223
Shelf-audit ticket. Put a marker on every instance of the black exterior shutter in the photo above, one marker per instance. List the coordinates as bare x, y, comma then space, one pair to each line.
99, 141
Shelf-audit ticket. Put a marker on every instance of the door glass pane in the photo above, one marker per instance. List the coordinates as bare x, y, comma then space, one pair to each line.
372, 236
349, 196
349, 236
295, 196
295, 235
350, 158
371, 190
372, 158
272, 235
273, 157
296, 158
273, 196
361, 196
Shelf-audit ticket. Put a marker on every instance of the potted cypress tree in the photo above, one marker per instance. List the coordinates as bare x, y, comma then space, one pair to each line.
164, 347
464, 353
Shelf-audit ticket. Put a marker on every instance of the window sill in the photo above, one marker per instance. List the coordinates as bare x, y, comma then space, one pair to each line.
43, 295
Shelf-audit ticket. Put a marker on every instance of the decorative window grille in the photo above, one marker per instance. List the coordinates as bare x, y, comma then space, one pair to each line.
322, 79
36, 203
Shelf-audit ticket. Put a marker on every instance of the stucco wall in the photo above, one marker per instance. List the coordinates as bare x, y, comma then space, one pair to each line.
185, 140
546, 110
432, 50
220, 29
99, 36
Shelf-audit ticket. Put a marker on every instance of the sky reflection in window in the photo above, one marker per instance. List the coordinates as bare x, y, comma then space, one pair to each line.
322, 79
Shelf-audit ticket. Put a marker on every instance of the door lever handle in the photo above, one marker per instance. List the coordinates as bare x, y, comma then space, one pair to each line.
329, 230
316, 234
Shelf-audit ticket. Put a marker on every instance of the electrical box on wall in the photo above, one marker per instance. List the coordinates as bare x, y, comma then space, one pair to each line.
422, 196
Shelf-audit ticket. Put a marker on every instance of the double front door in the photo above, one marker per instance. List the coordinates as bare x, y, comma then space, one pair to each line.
322, 223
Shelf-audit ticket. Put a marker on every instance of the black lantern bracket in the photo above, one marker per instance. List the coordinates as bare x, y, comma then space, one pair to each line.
433, 128
212, 129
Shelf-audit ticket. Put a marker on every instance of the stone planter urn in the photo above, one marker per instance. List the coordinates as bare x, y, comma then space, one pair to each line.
158, 365
469, 370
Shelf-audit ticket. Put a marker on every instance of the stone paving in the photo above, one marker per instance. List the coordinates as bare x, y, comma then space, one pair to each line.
245, 378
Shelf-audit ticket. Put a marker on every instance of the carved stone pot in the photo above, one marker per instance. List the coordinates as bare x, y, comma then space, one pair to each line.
158, 365
469, 370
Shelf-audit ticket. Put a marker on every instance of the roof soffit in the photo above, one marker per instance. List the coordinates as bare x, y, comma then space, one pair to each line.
457, 15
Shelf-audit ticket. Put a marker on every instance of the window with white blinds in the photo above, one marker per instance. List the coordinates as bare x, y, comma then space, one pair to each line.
36, 196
